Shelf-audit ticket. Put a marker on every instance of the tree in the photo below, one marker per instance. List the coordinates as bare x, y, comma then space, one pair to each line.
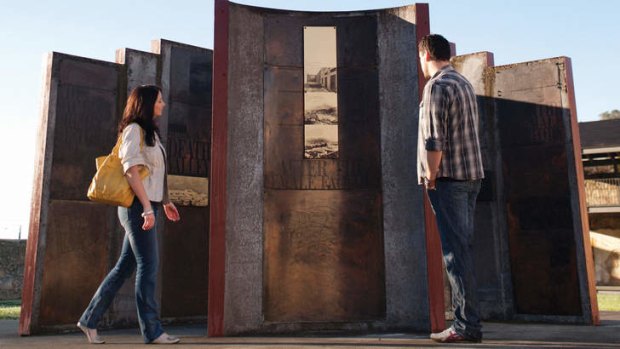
608, 115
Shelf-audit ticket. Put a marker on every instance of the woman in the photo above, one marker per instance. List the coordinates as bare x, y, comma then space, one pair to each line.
140, 147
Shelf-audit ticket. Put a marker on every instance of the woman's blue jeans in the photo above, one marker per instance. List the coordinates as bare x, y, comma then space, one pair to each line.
454, 203
140, 253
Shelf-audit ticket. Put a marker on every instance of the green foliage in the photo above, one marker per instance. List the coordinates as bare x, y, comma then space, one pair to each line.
608, 301
9, 310
608, 115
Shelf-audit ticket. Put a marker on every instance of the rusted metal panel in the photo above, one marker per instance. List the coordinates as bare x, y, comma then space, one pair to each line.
187, 72
356, 36
534, 136
76, 259
88, 73
321, 257
77, 108
323, 229
491, 254
190, 75
188, 144
61, 179
283, 41
185, 265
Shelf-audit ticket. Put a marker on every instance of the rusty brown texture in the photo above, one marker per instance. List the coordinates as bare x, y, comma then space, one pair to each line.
534, 141
324, 256
76, 259
322, 261
189, 109
185, 264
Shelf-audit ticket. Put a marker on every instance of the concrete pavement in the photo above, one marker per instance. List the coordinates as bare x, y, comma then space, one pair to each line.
496, 335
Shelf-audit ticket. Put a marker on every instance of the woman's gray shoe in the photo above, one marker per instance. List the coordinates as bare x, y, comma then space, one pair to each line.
166, 339
91, 334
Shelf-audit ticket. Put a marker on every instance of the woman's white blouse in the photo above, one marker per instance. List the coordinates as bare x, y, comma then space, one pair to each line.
131, 154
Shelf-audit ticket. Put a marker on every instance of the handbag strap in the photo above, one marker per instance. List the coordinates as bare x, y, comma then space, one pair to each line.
117, 146
119, 141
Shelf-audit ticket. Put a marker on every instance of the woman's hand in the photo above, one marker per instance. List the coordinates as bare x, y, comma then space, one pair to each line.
149, 220
171, 212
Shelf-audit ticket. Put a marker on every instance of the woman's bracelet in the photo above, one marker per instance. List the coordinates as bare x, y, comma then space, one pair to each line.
146, 213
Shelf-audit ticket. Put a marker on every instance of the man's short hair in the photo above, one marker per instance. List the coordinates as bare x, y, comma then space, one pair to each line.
437, 46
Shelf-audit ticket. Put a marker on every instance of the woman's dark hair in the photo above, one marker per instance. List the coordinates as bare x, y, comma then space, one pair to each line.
437, 46
140, 109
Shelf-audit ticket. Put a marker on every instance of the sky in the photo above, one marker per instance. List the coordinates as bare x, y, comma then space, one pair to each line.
513, 30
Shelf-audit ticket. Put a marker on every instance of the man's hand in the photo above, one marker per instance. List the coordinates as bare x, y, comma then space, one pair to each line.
429, 184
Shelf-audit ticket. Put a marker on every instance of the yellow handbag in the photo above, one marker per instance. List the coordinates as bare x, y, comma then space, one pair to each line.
109, 185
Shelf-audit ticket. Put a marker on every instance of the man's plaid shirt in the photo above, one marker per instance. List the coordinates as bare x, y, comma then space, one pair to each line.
449, 123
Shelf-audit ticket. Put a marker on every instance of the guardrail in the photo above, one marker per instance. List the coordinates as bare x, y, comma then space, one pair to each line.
602, 192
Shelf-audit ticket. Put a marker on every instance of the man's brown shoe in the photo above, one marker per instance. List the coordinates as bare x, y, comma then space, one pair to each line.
450, 336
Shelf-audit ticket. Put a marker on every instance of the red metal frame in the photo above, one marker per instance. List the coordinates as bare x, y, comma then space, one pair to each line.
434, 261
585, 225
217, 178
29, 293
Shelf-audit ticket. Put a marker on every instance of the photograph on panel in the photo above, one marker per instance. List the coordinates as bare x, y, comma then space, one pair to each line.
320, 93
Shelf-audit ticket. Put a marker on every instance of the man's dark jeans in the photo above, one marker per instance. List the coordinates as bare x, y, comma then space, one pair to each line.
454, 203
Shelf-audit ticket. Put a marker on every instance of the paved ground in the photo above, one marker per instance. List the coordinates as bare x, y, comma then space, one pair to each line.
497, 335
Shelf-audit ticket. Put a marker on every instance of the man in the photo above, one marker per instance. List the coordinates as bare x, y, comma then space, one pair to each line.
450, 166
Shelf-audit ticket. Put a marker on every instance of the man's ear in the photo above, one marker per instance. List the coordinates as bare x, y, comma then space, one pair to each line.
427, 56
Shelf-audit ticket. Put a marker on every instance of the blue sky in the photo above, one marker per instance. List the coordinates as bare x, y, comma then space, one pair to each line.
514, 30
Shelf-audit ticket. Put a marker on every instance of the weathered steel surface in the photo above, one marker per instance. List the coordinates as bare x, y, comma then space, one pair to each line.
189, 109
491, 254
76, 259
186, 72
536, 231
534, 140
78, 107
322, 261
184, 265
261, 135
79, 92
323, 245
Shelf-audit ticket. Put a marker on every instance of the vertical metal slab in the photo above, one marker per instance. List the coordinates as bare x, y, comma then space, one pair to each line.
492, 263
217, 189
81, 92
433, 244
186, 72
541, 192
33, 262
585, 258
269, 183
408, 285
